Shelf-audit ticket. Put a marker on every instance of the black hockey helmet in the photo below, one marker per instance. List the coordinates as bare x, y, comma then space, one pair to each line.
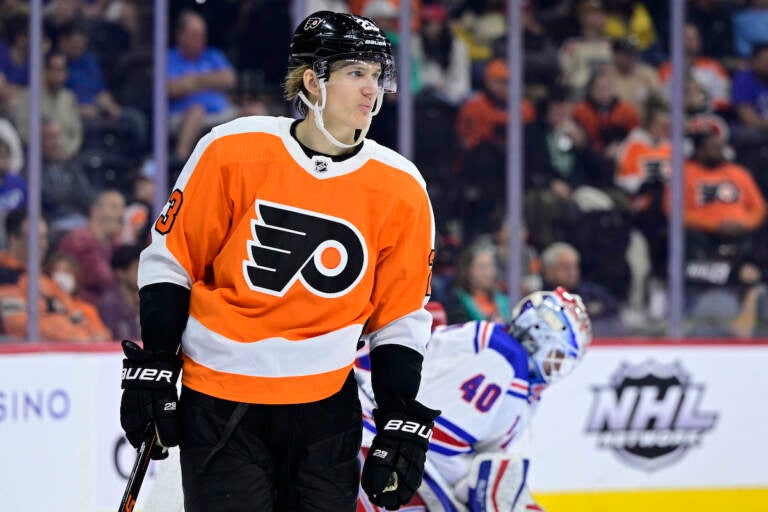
325, 37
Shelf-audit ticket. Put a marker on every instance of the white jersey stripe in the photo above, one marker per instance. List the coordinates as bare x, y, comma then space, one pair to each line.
273, 357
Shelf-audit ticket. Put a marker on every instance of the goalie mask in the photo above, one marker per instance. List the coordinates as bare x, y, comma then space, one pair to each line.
325, 38
554, 329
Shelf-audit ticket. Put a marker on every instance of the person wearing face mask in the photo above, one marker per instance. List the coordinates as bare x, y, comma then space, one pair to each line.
62, 316
65, 272
282, 243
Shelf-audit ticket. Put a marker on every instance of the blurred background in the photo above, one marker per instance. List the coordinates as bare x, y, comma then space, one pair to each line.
596, 129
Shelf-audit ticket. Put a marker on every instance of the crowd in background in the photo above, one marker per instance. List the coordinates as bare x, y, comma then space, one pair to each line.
596, 121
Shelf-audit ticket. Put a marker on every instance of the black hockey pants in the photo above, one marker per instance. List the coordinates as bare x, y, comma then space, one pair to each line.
271, 458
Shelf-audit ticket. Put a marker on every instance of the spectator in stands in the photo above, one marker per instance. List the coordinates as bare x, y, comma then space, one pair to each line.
198, 79
482, 118
477, 295
644, 156
722, 204
558, 159
92, 245
708, 72
66, 190
750, 28
750, 92
582, 56
699, 113
478, 26
138, 212
642, 171
628, 19
481, 126
65, 272
60, 317
441, 57
10, 135
635, 82
561, 266
98, 107
713, 18
540, 65
119, 305
531, 278
60, 13
14, 61
13, 188
57, 103
604, 116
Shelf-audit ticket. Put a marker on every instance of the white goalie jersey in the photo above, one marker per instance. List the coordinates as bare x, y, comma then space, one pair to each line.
478, 376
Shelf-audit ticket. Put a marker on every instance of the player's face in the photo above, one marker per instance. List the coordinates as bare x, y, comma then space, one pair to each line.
351, 90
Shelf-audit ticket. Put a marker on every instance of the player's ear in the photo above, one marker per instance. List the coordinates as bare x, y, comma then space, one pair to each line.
310, 82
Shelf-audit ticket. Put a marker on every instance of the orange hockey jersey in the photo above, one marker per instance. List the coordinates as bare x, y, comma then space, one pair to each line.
640, 158
291, 259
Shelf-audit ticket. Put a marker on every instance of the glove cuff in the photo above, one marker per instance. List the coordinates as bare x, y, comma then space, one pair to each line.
147, 370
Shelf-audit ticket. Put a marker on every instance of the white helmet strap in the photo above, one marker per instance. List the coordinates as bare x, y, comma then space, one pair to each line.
317, 110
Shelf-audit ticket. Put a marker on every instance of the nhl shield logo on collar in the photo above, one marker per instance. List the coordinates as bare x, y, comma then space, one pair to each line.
321, 164
312, 23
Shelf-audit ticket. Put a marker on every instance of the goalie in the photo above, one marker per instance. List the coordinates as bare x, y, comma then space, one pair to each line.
487, 379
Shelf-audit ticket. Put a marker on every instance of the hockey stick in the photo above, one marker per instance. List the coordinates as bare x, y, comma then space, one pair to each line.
139, 470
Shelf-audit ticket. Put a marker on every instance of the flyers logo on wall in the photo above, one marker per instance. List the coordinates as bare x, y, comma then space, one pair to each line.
649, 414
327, 254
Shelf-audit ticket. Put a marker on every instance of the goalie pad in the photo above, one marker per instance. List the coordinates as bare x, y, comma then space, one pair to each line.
526, 503
497, 483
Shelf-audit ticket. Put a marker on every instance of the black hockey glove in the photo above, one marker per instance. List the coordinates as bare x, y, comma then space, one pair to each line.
150, 397
394, 466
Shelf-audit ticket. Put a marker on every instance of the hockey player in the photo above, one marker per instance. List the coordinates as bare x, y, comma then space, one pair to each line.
487, 379
281, 244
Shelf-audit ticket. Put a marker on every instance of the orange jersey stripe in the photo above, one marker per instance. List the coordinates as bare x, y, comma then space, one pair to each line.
272, 390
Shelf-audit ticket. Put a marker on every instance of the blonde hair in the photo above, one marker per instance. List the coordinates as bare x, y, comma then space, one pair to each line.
293, 85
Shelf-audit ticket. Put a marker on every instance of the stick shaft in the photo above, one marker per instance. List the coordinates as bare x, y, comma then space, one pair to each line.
139, 471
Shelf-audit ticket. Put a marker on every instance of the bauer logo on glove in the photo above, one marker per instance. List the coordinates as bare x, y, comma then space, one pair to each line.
410, 427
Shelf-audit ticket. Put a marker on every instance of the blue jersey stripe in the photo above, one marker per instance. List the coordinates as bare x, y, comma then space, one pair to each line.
517, 395
455, 430
444, 500
446, 451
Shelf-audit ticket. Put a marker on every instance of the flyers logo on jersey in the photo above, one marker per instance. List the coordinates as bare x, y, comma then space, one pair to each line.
327, 254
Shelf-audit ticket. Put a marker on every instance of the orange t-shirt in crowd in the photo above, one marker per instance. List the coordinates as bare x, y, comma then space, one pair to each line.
640, 158
290, 259
481, 120
711, 75
727, 193
62, 317
622, 116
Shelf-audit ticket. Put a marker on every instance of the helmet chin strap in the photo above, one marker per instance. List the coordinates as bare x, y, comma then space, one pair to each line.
317, 110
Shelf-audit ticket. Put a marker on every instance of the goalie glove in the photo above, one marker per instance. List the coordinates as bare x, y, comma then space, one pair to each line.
150, 397
394, 466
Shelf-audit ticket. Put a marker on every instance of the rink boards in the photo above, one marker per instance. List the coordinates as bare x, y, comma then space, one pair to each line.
660, 427
638, 426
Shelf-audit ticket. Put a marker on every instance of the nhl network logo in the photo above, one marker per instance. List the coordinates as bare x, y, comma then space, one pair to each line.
649, 414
